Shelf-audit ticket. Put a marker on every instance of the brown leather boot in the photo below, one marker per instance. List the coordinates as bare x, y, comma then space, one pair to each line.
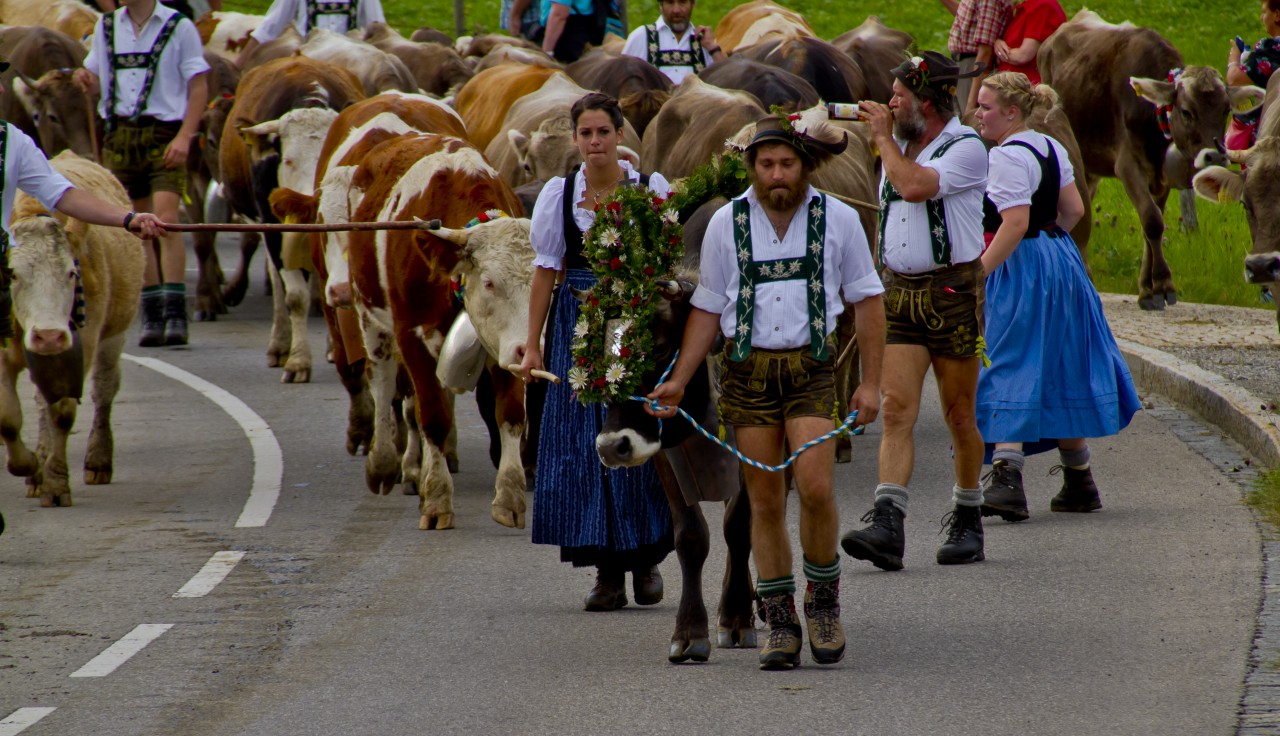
822, 612
781, 651
646, 584
609, 593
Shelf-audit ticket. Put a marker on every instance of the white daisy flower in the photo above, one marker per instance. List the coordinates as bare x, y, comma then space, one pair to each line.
616, 373
578, 378
611, 237
581, 329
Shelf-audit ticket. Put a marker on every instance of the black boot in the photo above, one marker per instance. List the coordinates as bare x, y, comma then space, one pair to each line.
964, 537
609, 593
781, 650
881, 543
175, 318
152, 334
1002, 493
1078, 494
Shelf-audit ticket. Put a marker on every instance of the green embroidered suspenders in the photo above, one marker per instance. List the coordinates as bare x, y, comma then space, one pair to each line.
659, 58
320, 7
148, 61
808, 267
935, 209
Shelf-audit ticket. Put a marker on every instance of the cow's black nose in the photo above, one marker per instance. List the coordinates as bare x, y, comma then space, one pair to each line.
623, 449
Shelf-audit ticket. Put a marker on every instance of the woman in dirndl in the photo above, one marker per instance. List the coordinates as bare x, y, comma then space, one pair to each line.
1056, 375
613, 520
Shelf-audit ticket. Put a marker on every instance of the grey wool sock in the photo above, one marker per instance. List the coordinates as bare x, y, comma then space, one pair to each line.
1075, 459
966, 496
895, 493
1012, 458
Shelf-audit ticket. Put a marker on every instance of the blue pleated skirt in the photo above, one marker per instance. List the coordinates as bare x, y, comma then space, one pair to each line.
1056, 371
594, 513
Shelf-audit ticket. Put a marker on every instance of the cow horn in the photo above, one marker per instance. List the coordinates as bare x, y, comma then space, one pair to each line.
457, 236
1239, 156
669, 288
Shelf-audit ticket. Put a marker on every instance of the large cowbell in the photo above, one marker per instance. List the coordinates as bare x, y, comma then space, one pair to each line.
59, 376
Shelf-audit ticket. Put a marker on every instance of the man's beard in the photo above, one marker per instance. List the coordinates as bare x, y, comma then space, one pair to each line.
911, 127
679, 28
780, 199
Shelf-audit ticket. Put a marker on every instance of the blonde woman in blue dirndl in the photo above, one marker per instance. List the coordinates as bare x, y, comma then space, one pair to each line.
613, 520
1056, 375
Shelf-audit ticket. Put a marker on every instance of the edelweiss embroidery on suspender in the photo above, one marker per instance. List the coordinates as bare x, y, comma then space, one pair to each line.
934, 208
320, 7
659, 58
808, 267
146, 60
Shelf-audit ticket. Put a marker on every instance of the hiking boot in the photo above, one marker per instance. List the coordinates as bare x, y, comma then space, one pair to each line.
1002, 493
1078, 494
175, 319
822, 613
964, 537
781, 650
883, 541
609, 593
152, 334
646, 584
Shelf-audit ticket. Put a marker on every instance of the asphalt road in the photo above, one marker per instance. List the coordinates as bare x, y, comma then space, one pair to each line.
341, 617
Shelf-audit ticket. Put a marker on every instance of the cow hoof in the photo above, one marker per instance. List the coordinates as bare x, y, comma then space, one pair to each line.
299, 376
379, 486
46, 500
736, 638
1151, 303
235, 294
451, 462
97, 477
694, 650
275, 360
435, 521
22, 465
409, 488
357, 446
1171, 298
205, 315
33, 488
508, 518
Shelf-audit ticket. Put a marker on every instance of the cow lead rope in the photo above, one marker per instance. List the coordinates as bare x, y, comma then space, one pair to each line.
653, 404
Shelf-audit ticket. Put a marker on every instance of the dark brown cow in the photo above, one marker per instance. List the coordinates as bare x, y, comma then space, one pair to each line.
401, 284
437, 69
876, 48
639, 87
249, 167
427, 34
693, 126
832, 72
46, 104
1097, 67
770, 84
202, 175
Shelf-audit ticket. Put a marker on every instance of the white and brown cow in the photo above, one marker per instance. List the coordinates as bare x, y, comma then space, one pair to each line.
401, 284
377, 70
1257, 187
1097, 67
226, 33
71, 17
46, 256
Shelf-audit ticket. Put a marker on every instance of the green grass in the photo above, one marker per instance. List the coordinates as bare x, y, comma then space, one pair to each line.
1207, 265
1265, 496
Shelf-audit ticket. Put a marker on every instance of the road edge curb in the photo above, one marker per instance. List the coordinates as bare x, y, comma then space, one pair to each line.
1215, 399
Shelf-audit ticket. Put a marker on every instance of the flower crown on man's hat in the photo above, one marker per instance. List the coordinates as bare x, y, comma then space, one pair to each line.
813, 139
931, 75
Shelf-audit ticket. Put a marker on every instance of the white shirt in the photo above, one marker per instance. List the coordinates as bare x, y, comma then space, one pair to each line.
1015, 173
546, 227
962, 182
781, 319
283, 12
26, 168
638, 46
181, 59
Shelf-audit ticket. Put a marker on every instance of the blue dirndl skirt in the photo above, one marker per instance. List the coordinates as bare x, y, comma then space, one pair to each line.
596, 514
1056, 371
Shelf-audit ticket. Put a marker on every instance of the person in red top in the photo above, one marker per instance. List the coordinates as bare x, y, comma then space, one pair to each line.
1033, 22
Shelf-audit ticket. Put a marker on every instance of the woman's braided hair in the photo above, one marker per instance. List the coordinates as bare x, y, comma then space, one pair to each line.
1013, 89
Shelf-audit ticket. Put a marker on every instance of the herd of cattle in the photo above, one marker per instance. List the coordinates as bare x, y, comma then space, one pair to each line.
375, 126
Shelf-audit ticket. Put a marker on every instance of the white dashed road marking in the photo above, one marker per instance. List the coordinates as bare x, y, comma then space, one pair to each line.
20, 719
120, 652
268, 460
214, 571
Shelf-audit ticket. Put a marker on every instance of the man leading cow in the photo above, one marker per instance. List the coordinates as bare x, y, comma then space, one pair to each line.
776, 263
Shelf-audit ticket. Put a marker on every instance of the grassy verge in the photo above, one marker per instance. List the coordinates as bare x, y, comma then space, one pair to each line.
1207, 264
1265, 496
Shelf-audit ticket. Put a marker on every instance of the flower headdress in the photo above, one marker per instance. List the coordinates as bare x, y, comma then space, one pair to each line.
933, 76
813, 138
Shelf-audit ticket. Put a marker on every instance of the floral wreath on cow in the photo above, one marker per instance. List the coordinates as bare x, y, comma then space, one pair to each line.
636, 240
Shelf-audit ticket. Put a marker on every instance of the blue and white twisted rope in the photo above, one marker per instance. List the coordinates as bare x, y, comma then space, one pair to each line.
655, 406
